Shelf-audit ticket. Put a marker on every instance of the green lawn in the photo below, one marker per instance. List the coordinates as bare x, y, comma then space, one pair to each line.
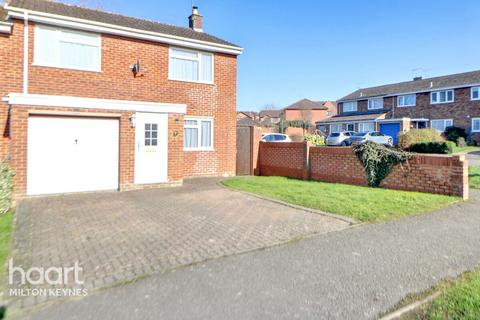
474, 177
459, 299
465, 149
5, 230
361, 203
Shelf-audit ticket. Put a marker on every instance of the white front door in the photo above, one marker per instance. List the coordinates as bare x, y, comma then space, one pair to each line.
151, 148
71, 154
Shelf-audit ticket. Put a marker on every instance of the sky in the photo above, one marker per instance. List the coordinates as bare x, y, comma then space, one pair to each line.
323, 50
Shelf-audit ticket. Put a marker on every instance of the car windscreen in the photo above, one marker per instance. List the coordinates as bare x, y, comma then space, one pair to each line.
334, 135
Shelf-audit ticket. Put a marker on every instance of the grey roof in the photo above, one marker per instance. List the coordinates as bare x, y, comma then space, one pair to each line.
353, 117
3, 14
306, 104
423, 85
248, 122
114, 19
274, 113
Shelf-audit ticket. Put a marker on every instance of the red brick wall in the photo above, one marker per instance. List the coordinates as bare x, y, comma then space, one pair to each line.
424, 173
283, 159
116, 81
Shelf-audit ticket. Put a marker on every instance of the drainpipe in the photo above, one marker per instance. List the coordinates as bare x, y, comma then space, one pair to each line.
25, 54
393, 107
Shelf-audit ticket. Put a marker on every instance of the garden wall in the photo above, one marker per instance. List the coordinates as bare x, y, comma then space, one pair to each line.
424, 173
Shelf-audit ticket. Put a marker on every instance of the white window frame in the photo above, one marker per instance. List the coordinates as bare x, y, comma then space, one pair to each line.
37, 58
438, 96
198, 59
444, 123
354, 103
406, 105
336, 124
373, 99
471, 93
361, 124
199, 136
473, 122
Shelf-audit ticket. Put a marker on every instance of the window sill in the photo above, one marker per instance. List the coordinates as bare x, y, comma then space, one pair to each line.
198, 149
191, 81
471, 99
446, 102
408, 106
66, 68
375, 108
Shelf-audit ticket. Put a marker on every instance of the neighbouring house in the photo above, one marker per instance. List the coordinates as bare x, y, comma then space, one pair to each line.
270, 117
308, 111
439, 102
95, 100
248, 114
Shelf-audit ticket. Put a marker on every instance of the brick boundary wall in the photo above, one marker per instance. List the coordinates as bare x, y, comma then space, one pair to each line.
289, 159
440, 174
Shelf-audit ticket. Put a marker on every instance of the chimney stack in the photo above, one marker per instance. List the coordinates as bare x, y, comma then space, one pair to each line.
195, 20
417, 78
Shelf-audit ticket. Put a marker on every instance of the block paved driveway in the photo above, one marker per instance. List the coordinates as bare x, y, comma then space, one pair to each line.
118, 237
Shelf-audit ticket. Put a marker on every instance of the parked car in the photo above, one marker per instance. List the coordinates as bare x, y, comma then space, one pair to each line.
374, 136
339, 138
275, 137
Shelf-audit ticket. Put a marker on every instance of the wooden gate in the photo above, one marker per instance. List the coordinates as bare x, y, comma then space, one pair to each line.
244, 151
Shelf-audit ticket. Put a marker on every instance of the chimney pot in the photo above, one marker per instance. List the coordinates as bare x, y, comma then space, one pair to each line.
195, 20
417, 78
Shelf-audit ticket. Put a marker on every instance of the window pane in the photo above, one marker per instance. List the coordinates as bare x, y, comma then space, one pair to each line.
442, 96
181, 69
147, 134
79, 37
45, 46
154, 142
410, 100
190, 122
147, 126
184, 54
475, 93
450, 95
476, 125
206, 67
206, 134
191, 138
147, 142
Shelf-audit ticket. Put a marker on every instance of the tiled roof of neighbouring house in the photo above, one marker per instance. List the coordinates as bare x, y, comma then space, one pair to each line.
271, 113
353, 118
72, 11
428, 84
248, 122
3, 14
306, 104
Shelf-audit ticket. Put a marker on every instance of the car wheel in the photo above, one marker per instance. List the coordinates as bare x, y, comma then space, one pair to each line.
390, 142
343, 144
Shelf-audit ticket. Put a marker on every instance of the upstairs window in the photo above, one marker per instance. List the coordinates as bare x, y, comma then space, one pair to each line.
443, 96
350, 106
375, 103
475, 93
198, 134
407, 100
188, 65
65, 48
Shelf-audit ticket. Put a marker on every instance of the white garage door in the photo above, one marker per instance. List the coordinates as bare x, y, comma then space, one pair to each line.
71, 154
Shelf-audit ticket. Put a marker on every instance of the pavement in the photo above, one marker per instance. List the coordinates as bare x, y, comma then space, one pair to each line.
473, 158
119, 237
357, 273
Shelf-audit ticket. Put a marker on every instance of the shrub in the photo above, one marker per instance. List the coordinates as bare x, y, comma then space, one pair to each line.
453, 133
379, 160
413, 136
445, 147
315, 139
461, 142
6, 185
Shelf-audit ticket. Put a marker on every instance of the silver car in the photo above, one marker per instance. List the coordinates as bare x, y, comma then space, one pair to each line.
339, 138
374, 136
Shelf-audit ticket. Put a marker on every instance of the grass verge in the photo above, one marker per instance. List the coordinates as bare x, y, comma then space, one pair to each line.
474, 177
361, 203
459, 299
465, 149
5, 232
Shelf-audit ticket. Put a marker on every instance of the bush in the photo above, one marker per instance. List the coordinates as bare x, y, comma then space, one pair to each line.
315, 139
445, 147
379, 160
453, 133
406, 139
6, 186
461, 142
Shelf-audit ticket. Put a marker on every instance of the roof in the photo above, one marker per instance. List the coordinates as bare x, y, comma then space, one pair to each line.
3, 14
274, 113
422, 85
356, 116
248, 122
73, 11
306, 104
250, 114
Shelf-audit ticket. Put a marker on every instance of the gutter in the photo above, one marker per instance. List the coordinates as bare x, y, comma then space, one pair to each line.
6, 27
100, 27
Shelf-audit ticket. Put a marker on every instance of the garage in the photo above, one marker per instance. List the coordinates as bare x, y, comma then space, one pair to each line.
72, 154
391, 129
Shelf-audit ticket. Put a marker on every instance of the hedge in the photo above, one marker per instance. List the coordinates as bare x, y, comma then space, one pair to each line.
406, 139
445, 147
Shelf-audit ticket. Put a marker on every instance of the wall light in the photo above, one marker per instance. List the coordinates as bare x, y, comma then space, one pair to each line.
133, 120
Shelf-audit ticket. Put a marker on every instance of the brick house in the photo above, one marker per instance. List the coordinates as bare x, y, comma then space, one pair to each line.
308, 111
440, 102
94, 101
270, 117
